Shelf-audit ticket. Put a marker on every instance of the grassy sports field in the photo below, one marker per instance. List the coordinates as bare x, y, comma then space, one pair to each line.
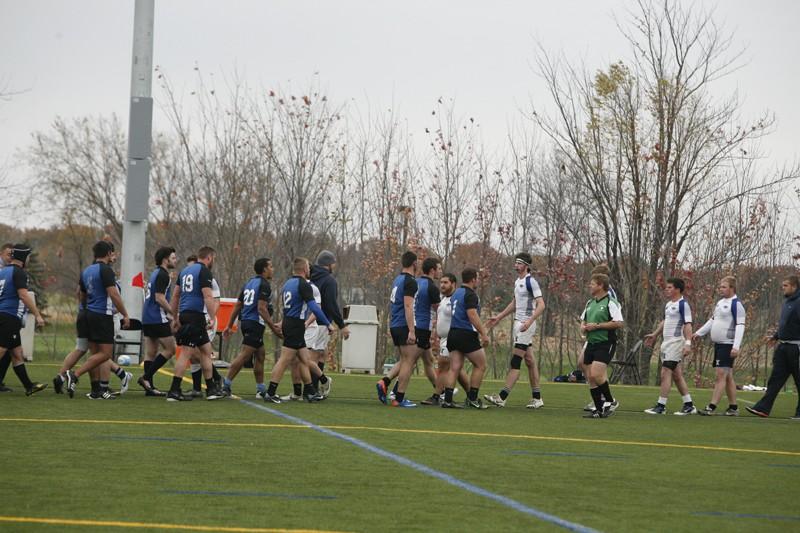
353, 464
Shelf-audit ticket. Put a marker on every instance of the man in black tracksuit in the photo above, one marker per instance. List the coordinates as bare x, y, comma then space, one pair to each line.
321, 276
785, 360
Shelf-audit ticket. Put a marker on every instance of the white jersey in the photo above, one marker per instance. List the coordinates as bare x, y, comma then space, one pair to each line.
443, 316
676, 315
722, 325
211, 326
215, 293
526, 290
318, 299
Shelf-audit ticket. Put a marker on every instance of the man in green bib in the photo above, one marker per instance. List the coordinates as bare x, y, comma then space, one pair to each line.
600, 321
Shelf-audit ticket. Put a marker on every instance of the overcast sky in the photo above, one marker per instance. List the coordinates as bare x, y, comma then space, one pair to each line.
72, 58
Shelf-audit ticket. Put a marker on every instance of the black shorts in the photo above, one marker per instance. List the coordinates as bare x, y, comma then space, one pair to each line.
423, 338
399, 335
156, 331
81, 325
192, 332
10, 327
252, 333
100, 328
463, 340
602, 352
294, 333
722, 356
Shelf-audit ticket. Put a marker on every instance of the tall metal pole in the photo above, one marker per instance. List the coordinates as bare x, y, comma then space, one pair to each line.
140, 132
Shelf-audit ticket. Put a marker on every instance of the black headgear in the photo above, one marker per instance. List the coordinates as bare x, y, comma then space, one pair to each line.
21, 252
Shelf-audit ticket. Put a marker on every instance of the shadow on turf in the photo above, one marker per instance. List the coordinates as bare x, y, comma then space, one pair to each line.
158, 439
569, 455
248, 493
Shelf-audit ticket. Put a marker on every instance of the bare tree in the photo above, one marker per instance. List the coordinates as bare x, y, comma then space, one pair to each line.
80, 167
452, 171
649, 148
300, 138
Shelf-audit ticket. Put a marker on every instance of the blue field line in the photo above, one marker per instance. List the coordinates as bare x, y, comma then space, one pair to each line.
447, 478
567, 454
160, 439
747, 515
248, 493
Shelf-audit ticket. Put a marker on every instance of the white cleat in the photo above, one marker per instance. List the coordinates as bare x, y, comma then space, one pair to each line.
495, 399
125, 383
535, 403
287, 398
325, 388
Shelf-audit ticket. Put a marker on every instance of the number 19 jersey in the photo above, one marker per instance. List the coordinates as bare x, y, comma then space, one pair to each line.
193, 279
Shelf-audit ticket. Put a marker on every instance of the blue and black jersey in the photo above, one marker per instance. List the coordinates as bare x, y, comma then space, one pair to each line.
404, 285
192, 280
152, 313
427, 296
95, 281
257, 289
298, 299
12, 279
463, 299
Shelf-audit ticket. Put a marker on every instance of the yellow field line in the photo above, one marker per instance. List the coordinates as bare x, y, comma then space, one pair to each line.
416, 431
148, 525
184, 378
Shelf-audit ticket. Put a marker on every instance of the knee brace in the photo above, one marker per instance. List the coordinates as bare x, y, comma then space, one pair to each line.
516, 362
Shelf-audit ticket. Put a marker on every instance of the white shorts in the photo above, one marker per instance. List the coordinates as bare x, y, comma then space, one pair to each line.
443, 347
672, 349
317, 338
523, 337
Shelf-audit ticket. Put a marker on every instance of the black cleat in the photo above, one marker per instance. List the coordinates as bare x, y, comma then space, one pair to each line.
72, 382
450, 405
35, 387
3, 388
475, 404
155, 392
757, 412
178, 397
214, 394
101, 395
274, 398
657, 409
143, 383
58, 384
433, 400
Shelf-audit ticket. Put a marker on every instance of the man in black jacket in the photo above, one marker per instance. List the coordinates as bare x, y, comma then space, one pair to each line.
321, 276
787, 352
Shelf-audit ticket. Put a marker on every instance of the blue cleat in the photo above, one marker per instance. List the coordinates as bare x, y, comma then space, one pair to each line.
405, 403
381, 387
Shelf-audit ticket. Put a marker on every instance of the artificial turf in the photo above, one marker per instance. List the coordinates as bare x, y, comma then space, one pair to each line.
232, 464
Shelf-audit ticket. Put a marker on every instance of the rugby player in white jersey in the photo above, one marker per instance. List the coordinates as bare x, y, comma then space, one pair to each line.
527, 305
677, 343
444, 314
726, 326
